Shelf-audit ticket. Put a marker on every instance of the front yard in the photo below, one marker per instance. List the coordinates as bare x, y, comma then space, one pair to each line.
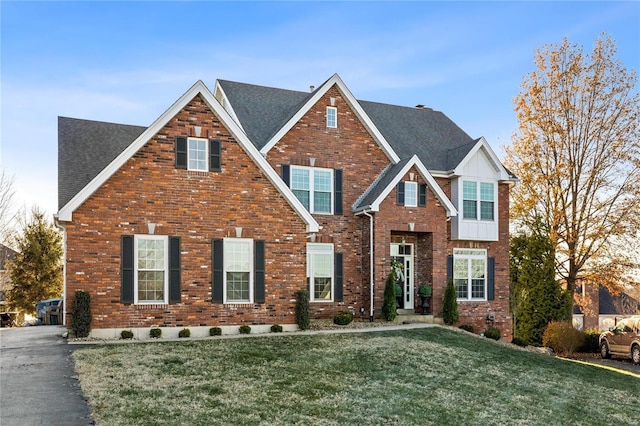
423, 376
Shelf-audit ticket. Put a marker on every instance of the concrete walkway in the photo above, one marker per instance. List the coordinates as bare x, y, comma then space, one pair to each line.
38, 385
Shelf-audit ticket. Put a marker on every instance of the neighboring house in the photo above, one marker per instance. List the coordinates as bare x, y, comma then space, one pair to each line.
233, 200
5, 283
601, 309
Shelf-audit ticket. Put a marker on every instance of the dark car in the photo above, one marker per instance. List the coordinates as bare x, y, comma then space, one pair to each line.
622, 340
41, 307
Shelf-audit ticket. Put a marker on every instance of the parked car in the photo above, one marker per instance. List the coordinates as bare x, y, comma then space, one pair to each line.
42, 305
622, 340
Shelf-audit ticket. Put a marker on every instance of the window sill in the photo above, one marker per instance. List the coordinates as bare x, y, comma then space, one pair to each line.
151, 305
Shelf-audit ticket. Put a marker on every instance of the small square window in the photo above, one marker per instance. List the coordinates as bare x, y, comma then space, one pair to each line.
197, 154
332, 117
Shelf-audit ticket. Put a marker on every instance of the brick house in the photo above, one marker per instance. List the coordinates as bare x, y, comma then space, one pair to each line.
234, 199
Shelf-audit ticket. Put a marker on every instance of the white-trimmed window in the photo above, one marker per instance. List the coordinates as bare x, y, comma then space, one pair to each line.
411, 194
470, 274
151, 260
314, 188
478, 200
197, 153
332, 117
320, 272
238, 270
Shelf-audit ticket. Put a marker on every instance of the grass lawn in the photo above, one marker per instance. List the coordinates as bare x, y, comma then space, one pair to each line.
421, 376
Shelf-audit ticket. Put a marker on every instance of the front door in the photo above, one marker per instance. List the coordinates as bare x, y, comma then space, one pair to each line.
403, 254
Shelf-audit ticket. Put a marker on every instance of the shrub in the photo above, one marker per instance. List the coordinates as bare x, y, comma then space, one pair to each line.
185, 332
562, 337
590, 344
155, 333
492, 333
389, 307
450, 304
467, 327
519, 342
302, 310
276, 328
245, 329
126, 334
343, 318
81, 324
215, 331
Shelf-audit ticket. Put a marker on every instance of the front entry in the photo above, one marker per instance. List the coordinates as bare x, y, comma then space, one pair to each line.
403, 254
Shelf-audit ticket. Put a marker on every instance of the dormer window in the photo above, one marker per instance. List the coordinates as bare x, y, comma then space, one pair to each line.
332, 117
478, 200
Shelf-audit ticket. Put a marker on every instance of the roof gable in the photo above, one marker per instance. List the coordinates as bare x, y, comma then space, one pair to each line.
388, 180
199, 88
482, 152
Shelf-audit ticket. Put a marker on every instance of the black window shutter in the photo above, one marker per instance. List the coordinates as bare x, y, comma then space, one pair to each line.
449, 267
286, 174
217, 285
174, 270
258, 271
422, 195
181, 152
400, 197
491, 269
338, 283
337, 191
126, 272
215, 148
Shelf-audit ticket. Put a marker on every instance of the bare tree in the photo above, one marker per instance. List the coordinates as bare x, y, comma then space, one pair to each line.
8, 212
577, 154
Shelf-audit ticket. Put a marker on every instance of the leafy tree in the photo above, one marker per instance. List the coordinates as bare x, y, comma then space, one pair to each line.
450, 314
36, 269
536, 297
577, 155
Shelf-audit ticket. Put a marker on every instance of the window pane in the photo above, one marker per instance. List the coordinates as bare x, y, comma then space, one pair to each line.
322, 202
461, 289
322, 180
319, 267
486, 191
197, 154
237, 256
469, 191
332, 117
486, 210
303, 196
469, 210
410, 194
238, 286
151, 286
322, 288
477, 289
300, 179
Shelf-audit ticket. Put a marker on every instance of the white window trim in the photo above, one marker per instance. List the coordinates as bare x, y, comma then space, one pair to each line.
469, 285
136, 239
479, 201
335, 114
248, 241
206, 154
414, 189
310, 270
311, 186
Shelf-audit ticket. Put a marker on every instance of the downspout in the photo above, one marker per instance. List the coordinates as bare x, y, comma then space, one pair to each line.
63, 228
370, 264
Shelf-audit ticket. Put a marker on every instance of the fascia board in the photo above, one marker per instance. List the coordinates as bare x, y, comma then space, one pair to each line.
66, 213
483, 144
439, 193
351, 100
231, 112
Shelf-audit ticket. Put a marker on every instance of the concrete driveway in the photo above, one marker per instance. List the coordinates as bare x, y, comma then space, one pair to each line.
38, 384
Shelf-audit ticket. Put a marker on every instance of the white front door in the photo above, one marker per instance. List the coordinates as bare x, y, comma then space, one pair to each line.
403, 254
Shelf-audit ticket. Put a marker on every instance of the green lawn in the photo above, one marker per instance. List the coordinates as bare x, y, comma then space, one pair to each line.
421, 376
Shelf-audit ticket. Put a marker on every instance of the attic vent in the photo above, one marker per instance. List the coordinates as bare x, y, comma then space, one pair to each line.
312, 88
420, 106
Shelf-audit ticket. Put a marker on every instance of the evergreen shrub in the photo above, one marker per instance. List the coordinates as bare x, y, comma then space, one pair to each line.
302, 310
155, 333
389, 312
245, 329
343, 318
590, 344
276, 328
215, 331
81, 324
467, 327
450, 304
185, 332
492, 333
126, 334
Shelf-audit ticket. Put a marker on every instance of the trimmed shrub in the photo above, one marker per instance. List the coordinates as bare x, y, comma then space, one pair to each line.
185, 332
562, 337
126, 334
492, 333
467, 327
245, 329
450, 304
155, 333
81, 324
302, 310
389, 312
590, 344
215, 331
276, 328
519, 342
343, 318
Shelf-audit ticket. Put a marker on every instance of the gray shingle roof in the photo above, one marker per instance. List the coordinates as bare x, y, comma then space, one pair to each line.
86, 147
378, 186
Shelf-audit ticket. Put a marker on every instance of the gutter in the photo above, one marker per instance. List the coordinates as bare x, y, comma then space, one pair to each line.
63, 228
371, 252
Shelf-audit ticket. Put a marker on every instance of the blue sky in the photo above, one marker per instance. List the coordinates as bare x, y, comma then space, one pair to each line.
127, 62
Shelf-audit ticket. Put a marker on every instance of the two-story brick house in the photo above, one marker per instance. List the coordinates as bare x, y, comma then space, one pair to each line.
236, 198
